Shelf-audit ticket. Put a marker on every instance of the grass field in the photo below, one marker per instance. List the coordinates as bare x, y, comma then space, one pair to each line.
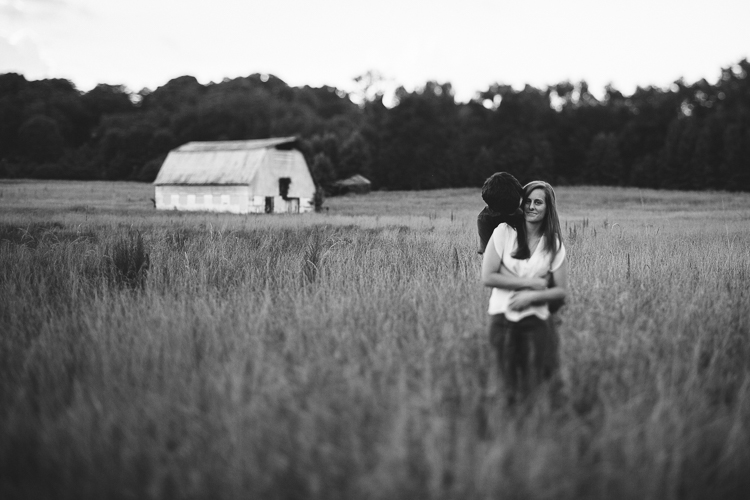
344, 355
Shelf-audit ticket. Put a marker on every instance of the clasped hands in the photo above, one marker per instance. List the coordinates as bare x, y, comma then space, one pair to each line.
527, 295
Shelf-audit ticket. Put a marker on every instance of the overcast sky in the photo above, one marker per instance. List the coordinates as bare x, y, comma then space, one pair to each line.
469, 43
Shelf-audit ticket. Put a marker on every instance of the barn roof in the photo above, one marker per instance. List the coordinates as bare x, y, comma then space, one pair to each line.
354, 180
227, 162
191, 147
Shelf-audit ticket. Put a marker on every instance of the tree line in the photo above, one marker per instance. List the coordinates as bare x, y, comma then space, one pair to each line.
689, 136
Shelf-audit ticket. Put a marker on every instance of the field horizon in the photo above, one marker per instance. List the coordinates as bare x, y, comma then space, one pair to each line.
344, 354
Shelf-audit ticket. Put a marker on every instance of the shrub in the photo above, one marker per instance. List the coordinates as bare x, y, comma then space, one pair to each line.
127, 262
318, 199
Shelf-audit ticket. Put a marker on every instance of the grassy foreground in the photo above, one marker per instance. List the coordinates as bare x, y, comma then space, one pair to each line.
344, 355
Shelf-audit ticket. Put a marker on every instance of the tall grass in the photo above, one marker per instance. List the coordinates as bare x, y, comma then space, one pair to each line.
346, 356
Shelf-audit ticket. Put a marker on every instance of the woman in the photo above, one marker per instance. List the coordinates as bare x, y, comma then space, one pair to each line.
517, 266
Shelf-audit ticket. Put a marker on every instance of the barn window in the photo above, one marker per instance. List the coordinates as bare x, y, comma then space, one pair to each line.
284, 183
269, 204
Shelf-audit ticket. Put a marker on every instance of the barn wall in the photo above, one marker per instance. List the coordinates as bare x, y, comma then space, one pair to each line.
280, 205
232, 199
306, 205
279, 164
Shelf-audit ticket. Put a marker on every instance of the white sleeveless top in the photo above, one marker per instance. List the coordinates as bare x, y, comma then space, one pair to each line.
539, 264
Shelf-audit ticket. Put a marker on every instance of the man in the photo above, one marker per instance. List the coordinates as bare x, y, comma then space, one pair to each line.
503, 194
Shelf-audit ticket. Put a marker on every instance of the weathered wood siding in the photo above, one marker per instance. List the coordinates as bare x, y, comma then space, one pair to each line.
231, 199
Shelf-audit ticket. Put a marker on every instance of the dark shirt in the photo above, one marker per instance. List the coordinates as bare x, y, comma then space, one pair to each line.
487, 221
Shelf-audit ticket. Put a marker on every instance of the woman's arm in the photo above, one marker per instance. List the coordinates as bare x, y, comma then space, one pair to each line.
525, 298
492, 277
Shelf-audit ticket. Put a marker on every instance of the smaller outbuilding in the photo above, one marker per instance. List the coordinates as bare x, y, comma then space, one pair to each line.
356, 184
241, 177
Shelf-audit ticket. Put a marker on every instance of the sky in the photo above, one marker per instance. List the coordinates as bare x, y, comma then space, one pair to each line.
468, 43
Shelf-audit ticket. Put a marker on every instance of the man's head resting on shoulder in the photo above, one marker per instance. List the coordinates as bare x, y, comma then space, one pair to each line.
502, 193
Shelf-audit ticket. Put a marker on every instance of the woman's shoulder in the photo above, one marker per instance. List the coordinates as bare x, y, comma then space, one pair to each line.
505, 228
503, 233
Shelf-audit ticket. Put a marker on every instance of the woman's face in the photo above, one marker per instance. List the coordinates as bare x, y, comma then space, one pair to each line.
535, 206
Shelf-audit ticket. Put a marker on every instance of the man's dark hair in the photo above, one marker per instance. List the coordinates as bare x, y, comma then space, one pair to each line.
502, 193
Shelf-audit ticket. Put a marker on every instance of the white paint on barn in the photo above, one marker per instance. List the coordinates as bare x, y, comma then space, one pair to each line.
239, 177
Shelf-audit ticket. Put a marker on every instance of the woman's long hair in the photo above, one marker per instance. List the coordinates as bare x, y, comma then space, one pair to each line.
550, 225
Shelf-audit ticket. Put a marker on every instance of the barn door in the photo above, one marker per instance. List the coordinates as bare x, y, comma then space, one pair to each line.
293, 205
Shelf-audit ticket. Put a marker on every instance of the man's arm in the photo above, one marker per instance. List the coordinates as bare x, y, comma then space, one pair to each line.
494, 276
486, 224
525, 298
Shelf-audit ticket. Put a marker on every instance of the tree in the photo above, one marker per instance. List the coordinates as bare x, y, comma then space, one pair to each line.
736, 162
669, 170
644, 172
369, 87
690, 136
419, 139
107, 99
541, 166
326, 144
322, 171
482, 166
706, 161
603, 162
355, 156
175, 95
40, 139
11, 112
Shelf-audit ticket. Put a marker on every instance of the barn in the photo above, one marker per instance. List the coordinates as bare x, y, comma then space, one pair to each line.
241, 177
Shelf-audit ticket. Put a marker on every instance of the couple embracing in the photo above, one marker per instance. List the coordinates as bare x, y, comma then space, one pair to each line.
525, 265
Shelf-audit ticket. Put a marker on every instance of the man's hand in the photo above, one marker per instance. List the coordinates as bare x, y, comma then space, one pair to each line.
521, 300
536, 283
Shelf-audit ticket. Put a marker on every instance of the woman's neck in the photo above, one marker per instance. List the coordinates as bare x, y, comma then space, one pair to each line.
533, 230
